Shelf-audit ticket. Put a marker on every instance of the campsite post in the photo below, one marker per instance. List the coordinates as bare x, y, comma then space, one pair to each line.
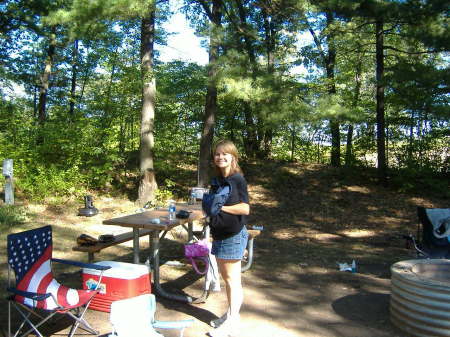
9, 185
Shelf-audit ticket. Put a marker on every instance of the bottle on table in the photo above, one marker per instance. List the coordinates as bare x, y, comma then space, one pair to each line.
172, 210
191, 200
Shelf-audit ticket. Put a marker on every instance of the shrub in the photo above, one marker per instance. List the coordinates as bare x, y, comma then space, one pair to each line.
11, 215
163, 194
42, 182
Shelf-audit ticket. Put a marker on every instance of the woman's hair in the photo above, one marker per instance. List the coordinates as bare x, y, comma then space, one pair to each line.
228, 146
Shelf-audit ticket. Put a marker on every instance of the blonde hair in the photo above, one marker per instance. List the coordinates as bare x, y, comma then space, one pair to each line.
228, 146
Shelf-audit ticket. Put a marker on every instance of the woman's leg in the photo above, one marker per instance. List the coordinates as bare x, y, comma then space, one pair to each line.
228, 324
230, 270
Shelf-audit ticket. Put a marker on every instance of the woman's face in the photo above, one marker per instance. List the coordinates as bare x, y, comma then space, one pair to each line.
222, 159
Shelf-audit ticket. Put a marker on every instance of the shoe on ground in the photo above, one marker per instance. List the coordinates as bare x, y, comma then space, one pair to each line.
228, 328
215, 323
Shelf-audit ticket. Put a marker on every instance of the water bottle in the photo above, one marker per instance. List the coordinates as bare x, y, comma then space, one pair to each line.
172, 210
191, 200
353, 266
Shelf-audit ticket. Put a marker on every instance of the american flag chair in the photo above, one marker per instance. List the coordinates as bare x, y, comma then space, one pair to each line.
30, 258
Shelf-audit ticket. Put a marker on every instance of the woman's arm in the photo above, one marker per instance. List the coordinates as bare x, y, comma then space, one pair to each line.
238, 209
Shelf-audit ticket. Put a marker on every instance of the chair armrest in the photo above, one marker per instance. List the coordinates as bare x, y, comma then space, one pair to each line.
173, 324
82, 264
27, 294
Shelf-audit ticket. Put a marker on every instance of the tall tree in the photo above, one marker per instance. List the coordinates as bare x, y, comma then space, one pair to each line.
45, 77
147, 184
214, 13
73, 81
328, 60
381, 132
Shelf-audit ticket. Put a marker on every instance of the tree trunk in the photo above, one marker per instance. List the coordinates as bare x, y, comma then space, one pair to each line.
243, 29
211, 98
147, 184
232, 127
86, 75
267, 134
387, 144
35, 100
335, 143
349, 147
45, 77
292, 143
410, 140
74, 78
267, 142
329, 60
251, 136
349, 157
334, 122
381, 146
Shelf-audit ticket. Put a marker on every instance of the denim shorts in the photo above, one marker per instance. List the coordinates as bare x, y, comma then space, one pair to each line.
231, 248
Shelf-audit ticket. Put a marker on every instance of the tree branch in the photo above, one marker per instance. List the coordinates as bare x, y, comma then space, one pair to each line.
413, 52
205, 6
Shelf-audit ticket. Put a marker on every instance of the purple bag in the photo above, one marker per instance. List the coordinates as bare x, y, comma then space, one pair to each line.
198, 251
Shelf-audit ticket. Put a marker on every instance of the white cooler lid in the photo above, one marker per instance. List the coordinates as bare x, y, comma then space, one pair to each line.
121, 270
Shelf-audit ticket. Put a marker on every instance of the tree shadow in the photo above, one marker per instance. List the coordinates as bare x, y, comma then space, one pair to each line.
367, 308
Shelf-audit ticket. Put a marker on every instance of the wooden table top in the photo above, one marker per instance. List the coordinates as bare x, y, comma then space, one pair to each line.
143, 220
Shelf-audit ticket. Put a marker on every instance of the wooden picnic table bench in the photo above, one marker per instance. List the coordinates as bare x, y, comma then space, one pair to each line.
99, 246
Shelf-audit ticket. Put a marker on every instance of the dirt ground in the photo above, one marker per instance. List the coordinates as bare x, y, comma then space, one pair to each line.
313, 218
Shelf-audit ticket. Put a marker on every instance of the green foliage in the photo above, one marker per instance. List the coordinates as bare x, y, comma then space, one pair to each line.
40, 182
11, 215
164, 194
264, 108
181, 96
418, 180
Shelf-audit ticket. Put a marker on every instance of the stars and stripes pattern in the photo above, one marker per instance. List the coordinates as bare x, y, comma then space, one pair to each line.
29, 255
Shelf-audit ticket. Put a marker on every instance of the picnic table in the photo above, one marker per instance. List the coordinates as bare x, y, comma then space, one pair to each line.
142, 221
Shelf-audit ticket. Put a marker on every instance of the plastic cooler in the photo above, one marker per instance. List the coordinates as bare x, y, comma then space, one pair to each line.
122, 280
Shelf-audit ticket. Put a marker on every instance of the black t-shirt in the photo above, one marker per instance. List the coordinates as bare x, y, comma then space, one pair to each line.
225, 225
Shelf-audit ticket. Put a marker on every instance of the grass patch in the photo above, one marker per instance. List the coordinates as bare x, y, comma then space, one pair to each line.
11, 215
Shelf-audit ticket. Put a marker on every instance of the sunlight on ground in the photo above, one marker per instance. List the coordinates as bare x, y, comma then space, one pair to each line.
385, 220
284, 234
261, 196
358, 233
269, 329
325, 237
316, 270
36, 208
421, 202
290, 233
295, 170
359, 189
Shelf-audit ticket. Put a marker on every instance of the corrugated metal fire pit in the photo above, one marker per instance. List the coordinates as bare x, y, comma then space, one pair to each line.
420, 297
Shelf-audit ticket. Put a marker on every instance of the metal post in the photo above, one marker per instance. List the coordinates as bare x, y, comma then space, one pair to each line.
190, 231
136, 245
9, 183
154, 258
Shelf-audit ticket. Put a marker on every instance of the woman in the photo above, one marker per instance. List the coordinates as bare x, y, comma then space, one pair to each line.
230, 235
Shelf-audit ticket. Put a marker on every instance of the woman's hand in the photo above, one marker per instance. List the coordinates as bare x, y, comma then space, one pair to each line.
238, 209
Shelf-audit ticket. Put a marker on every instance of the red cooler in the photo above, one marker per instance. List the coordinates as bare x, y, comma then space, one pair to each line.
122, 280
